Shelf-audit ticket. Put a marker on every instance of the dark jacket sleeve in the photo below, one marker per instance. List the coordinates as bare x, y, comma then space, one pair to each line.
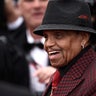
13, 66
7, 89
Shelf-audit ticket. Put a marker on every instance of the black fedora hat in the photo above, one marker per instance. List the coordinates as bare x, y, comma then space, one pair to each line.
66, 15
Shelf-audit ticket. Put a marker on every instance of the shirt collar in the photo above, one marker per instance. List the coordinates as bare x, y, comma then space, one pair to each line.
16, 23
30, 39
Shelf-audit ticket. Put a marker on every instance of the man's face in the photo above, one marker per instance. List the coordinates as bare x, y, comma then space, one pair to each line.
33, 11
63, 46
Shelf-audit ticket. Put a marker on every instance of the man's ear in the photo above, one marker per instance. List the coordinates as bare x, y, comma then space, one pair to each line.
85, 37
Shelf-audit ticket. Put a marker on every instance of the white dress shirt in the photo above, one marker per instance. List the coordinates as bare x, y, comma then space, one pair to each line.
41, 58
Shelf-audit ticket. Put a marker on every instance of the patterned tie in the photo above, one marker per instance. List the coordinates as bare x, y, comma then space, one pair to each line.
55, 80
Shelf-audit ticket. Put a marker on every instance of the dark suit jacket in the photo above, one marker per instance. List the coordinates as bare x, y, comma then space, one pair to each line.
19, 35
13, 66
7, 89
80, 80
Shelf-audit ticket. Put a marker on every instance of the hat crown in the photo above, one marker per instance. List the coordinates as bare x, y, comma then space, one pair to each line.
65, 12
66, 15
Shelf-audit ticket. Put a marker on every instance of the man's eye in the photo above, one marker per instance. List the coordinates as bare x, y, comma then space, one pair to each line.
29, 0
45, 36
58, 35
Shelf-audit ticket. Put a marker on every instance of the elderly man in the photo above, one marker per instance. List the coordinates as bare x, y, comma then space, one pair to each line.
69, 40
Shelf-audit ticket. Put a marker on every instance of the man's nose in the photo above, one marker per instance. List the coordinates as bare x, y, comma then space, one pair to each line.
50, 42
36, 3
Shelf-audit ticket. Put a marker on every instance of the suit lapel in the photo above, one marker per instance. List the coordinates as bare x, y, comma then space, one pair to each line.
74, 76
47, 88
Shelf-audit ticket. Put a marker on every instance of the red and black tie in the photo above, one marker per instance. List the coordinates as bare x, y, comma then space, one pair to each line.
55, 80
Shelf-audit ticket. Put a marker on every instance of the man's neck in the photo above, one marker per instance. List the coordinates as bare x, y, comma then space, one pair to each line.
36, 37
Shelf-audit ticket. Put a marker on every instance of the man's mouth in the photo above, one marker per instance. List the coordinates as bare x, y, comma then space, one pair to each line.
38, 14
53, 52
54, 55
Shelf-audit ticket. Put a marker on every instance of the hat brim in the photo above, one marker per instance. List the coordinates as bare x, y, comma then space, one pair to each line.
39, 30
